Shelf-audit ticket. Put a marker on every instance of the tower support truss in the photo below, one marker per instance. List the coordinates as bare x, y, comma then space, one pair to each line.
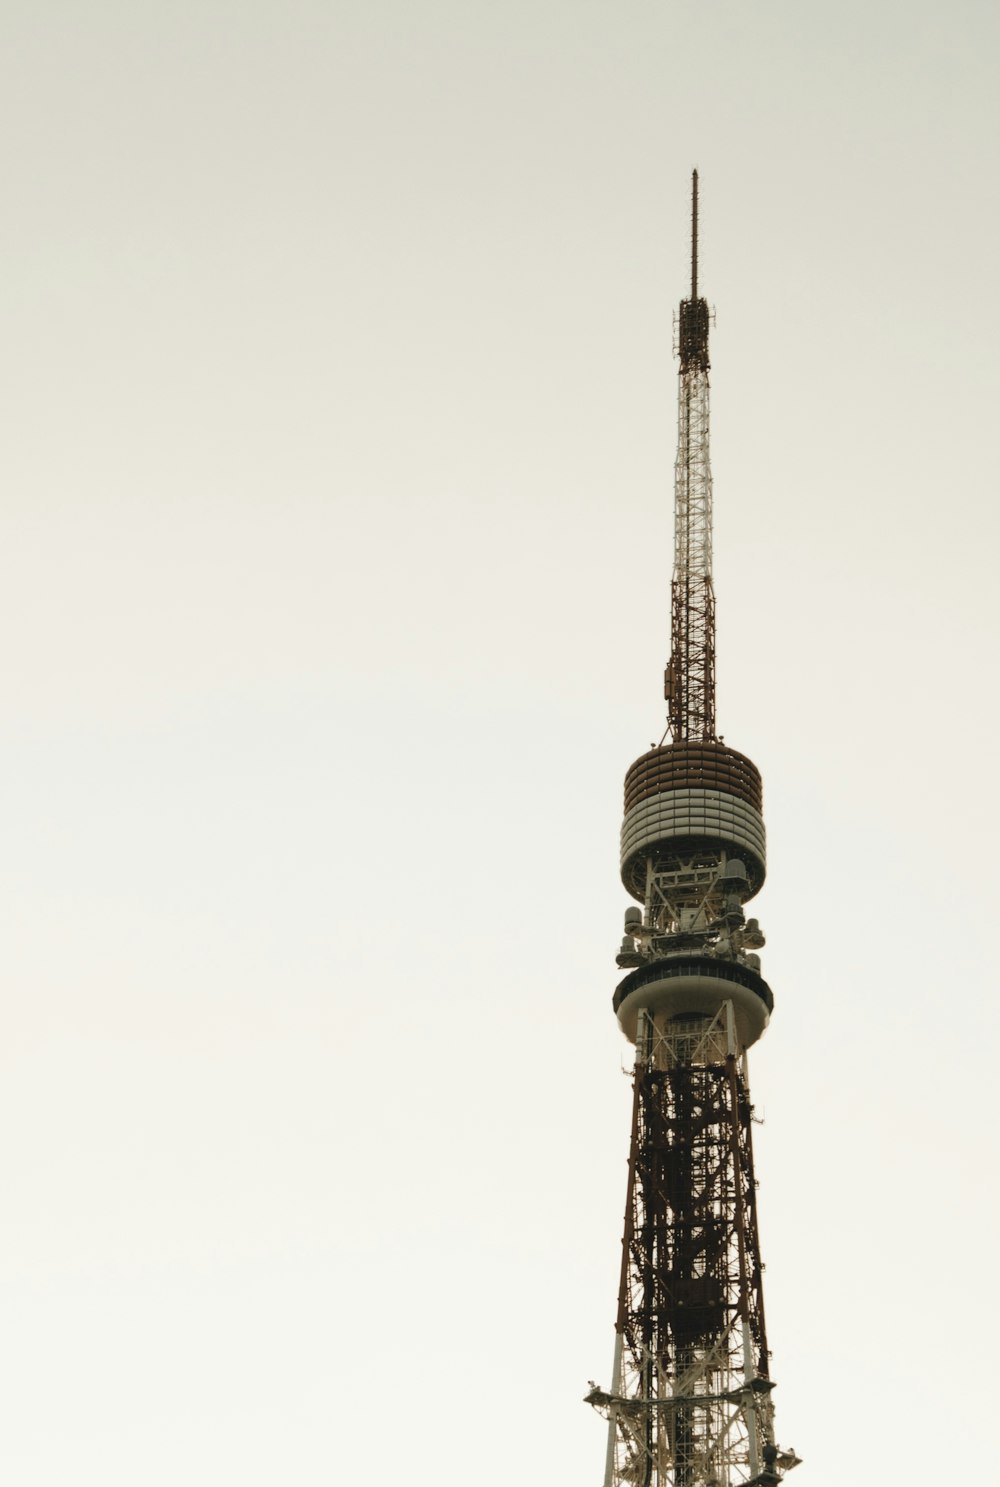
690, 1402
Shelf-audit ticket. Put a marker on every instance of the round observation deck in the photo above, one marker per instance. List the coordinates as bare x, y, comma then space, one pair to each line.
688, 797
695, 985
683, 766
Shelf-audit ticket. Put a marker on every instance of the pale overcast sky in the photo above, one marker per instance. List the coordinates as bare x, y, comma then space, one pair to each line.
337, 474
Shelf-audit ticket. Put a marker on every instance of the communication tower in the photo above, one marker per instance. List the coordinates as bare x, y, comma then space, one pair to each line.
690, 1398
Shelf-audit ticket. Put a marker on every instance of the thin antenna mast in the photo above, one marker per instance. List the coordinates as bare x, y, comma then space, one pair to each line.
694, 234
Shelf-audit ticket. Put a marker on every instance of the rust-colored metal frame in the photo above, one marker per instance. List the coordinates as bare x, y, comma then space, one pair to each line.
690, 1306
690, 676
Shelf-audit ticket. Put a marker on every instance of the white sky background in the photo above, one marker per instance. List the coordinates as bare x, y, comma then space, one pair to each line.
334, 559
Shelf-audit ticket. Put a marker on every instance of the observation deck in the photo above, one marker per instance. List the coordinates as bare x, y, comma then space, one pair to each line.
688, 797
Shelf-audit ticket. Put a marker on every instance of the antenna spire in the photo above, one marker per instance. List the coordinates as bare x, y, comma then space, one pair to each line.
694, 234
690, 677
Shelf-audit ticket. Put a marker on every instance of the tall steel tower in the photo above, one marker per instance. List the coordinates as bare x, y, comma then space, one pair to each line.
690, 1397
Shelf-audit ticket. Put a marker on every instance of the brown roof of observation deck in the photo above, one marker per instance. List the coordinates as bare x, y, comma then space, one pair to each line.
693, 766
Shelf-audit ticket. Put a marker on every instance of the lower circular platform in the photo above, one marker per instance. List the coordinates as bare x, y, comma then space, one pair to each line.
695, 984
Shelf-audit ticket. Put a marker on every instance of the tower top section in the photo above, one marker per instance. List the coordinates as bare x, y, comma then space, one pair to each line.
689, 682
693, 337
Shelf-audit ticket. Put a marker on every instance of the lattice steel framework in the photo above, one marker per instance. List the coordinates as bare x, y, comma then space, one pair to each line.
690, 675
690, 1400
